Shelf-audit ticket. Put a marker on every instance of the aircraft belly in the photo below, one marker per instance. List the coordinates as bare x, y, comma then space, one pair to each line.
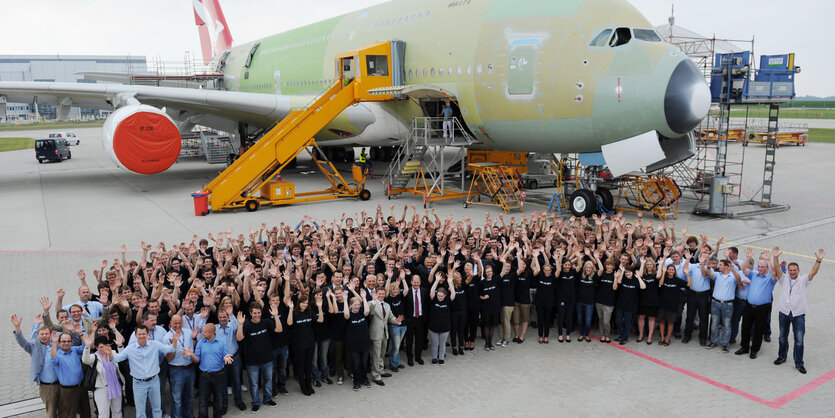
551, 135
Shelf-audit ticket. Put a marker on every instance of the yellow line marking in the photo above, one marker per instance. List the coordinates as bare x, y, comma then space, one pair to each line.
811, 257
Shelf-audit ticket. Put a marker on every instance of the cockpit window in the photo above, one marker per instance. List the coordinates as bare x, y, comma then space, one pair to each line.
647, 35
622, 36
600, 40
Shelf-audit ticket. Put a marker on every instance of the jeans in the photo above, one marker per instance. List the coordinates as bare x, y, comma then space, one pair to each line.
320, 359
722, 313
739, 307
255, 372
565, 317
211, 386
147, 391
584, 313
396, 332
280, 356
437, 344
232, 377
182, 391
624, 321
798, 325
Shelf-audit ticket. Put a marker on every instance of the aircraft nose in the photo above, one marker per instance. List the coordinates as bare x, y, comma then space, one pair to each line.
687, 99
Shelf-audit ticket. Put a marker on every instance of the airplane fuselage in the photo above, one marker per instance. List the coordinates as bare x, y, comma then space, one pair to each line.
526, 75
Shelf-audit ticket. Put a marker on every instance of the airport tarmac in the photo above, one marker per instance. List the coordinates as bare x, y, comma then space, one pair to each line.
56, 218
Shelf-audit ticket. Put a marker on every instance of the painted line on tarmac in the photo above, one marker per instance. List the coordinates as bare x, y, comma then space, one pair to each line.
21, 407
775, 404
783, 231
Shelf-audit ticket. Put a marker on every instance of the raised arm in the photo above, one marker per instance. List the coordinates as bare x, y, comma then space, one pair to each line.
818, 259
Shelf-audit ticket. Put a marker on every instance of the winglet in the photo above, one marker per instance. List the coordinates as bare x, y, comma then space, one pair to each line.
215, 36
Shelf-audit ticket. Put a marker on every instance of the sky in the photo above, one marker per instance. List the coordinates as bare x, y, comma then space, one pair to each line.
164, 29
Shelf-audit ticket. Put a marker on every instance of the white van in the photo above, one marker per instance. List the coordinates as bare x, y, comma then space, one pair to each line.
68, 136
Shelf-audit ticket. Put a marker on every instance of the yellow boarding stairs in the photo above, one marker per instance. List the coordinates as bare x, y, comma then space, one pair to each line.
247, 183
500, 183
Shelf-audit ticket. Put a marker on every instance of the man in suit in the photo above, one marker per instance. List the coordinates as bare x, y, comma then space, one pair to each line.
379, 319
416, 316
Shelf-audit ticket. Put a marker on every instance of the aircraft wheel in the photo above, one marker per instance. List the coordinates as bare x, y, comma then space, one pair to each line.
533, 184
69, 155
349, 155
252, 205
365, 194
606, 199
582, 203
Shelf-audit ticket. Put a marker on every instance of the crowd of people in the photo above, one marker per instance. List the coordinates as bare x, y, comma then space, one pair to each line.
341, 300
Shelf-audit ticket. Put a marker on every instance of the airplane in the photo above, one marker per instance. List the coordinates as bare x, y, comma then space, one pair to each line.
573, 76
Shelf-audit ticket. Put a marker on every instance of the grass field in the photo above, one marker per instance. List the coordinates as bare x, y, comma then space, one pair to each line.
13, 144
822, 135
49, 125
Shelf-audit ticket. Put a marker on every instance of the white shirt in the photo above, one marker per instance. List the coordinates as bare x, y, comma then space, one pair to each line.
793, 298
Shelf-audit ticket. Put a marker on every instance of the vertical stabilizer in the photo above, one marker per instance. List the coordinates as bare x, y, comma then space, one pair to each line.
215, 36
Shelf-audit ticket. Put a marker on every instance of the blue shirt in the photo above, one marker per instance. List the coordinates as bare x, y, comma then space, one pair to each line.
68, 366
228, 333
724, 284
92, 308
40, 369
144, 361
699, 283
211, 354
158, 335
447, 112
761, 288
186, 342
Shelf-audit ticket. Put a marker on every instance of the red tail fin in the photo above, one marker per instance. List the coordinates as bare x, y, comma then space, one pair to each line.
215, 36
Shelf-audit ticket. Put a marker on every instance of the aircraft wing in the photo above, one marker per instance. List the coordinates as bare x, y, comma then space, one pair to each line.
256, 109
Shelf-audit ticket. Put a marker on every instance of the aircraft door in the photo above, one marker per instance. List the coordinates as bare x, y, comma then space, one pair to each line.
520, 74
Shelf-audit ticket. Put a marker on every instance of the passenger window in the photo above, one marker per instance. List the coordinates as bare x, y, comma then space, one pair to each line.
647, 35
622, 36
600, 40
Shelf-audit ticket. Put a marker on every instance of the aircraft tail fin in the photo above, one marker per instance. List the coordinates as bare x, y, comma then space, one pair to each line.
215, 36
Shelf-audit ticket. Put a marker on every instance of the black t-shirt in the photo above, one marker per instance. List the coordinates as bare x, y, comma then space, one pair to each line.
321, 331
281, 339
649, 295
357, 336
671, 294
628, 290
258, 341
303, 330
397, 306
586, 289
460, 302
493, 304
566, 288
337, 323
508, 290
605, 294
473, 293
439, 317
545, 289
522, 287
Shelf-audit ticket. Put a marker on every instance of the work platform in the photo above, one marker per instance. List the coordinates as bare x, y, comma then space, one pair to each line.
252, 180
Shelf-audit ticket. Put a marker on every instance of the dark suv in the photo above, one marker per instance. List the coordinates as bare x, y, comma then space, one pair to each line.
55, 149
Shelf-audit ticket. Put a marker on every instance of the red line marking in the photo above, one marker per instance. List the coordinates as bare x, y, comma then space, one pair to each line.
777, 403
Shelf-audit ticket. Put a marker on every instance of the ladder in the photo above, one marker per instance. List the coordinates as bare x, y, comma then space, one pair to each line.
500, 183
770, 154
422, 157
240, 185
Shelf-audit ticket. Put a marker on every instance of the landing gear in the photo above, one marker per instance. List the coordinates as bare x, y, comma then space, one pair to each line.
349, 155
583, 203
365, 194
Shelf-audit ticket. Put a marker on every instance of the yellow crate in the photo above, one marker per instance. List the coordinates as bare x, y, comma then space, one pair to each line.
278, 190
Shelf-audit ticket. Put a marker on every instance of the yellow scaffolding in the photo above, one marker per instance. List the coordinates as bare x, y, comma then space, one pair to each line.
245, 183
650, 193
500, 183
